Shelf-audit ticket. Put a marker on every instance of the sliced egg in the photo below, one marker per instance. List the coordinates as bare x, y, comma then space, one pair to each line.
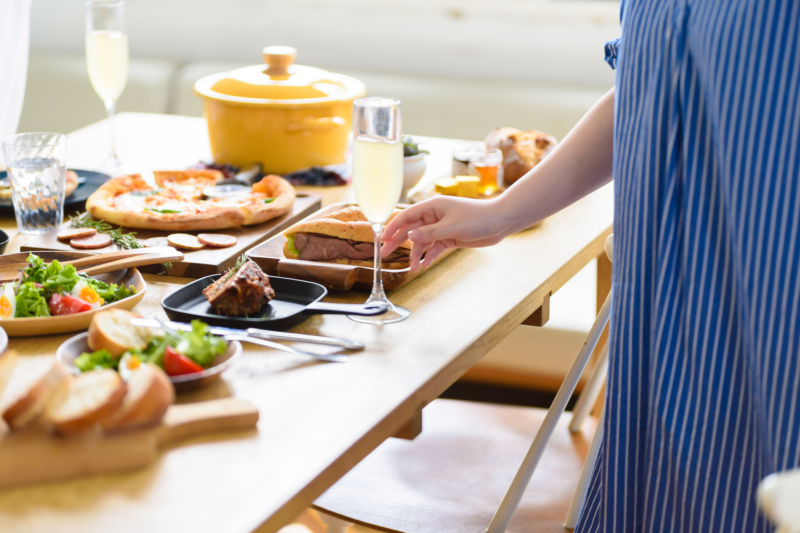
84, 292
129, 364
8, 302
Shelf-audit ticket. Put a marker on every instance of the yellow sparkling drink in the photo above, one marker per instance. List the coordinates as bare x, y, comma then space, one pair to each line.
377, 176
107, 60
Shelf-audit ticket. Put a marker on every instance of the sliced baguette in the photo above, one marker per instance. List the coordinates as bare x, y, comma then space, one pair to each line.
91, 397
28, 398
7, 362
149, 395
112, 330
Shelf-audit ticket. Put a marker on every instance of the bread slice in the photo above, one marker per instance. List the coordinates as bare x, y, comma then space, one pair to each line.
7, 362
29, 395
112, 330
91, 397
149, 395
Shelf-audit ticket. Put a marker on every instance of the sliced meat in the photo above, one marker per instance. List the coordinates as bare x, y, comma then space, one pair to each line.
315, 247
241, 293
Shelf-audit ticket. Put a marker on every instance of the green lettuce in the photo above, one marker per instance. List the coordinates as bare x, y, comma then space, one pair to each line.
290, 245
199, 345
31, 301
96, 361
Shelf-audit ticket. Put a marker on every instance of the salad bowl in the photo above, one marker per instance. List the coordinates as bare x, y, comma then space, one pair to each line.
51, 325
75, 346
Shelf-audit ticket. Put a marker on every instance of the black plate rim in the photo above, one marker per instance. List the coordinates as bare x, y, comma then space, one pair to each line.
69, 203
239, 322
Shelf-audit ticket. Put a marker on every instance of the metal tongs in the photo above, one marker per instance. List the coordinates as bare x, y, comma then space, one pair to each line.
262, 338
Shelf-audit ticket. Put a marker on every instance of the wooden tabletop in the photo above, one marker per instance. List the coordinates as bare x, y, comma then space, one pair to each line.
317, 420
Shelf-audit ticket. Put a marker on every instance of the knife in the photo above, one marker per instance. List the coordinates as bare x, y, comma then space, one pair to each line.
257, 333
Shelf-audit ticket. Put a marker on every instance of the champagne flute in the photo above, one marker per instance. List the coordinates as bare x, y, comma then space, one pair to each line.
107, 59
378, 181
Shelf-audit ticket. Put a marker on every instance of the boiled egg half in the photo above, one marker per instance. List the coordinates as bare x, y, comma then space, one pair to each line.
84, 292
128, 364
8, 302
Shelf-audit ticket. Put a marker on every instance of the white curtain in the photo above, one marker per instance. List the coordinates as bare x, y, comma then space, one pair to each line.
14, 41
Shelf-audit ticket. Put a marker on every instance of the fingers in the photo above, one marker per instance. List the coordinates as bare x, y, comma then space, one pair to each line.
436, 249
417, 249
390, 244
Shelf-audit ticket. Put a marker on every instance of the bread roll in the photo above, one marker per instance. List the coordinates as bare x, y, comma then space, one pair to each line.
112, 330
522, 150
149, 395
30, 393
91, 397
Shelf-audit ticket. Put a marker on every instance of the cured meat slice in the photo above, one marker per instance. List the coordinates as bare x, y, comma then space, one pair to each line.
75, 233
92, 242
217, 240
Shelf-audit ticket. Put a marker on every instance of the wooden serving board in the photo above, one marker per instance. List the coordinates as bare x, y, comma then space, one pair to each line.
34, 456
269, 257
208, 260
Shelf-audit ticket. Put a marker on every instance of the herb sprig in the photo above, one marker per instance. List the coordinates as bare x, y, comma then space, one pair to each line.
124, 241
239, 262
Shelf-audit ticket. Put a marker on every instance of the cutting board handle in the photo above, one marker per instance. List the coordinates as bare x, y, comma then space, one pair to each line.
193, 419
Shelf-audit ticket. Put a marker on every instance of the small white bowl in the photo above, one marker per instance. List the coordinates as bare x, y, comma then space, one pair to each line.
413, 170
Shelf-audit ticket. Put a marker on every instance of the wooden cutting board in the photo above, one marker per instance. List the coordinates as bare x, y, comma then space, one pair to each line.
270, 258
33, 456
208, 260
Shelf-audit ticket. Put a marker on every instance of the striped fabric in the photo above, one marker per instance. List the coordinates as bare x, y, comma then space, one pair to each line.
703, 395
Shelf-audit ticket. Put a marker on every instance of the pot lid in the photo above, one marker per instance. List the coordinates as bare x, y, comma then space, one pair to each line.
281, 81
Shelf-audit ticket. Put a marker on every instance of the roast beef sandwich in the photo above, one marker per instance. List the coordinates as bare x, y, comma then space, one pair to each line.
344, 237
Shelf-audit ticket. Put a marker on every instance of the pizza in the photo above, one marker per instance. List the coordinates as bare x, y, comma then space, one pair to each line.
177, 203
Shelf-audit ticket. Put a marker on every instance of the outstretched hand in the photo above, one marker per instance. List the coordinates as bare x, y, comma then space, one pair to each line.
440, 223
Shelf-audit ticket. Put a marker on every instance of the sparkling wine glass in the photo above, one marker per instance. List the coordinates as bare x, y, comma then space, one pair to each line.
378, 182
107, 60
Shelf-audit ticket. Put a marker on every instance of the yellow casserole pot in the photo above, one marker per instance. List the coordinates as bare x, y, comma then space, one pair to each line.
286, 117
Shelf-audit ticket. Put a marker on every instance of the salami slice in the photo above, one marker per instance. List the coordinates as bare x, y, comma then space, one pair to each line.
98, 240
156, 242
185, 241
217, 240
75, 233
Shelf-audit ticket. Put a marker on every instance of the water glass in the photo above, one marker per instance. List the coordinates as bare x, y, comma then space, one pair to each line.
37, 172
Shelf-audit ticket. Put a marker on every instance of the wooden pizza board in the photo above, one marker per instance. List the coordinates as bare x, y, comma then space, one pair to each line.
35, 456
269, 257
208, 260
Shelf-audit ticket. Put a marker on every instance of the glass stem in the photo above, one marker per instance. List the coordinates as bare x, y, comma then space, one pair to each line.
377, 284
110, 109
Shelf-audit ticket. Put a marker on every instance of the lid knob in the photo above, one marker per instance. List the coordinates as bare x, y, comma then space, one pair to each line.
278, 58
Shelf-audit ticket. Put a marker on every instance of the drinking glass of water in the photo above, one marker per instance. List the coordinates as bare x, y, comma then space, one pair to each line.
107, 60
378, 182
37, 172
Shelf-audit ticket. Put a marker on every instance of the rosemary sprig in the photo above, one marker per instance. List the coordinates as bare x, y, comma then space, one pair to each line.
124, 241
239, 262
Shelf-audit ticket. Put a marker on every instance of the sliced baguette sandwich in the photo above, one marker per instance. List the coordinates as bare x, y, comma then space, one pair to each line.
344, 237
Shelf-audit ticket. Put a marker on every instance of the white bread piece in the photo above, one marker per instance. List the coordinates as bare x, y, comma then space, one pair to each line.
91, 397
150, 393
7, 362
29, 395
112, 330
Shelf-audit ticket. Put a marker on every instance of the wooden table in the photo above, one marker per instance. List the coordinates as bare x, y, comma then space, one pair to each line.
317, 420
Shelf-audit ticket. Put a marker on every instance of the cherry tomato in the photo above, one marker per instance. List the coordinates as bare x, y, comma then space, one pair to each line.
64, 304
176, 364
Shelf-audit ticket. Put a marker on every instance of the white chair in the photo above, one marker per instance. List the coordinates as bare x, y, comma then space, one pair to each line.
451, 477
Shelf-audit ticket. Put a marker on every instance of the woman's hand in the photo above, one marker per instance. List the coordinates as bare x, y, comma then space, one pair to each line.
441, 223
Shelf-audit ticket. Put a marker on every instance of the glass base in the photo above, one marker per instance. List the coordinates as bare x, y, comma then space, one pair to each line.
394, 313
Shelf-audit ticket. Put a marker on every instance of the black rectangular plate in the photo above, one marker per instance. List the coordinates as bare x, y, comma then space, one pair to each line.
292, 296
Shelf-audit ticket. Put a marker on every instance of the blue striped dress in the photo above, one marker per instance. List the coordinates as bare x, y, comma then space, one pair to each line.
703, 396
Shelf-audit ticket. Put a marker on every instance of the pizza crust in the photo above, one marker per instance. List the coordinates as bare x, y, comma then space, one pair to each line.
211, 214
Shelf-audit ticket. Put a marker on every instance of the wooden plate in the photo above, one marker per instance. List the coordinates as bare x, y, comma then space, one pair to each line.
269, 257
74, 346
51, 325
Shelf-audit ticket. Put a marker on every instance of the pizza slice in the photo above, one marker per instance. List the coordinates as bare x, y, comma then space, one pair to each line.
178, 203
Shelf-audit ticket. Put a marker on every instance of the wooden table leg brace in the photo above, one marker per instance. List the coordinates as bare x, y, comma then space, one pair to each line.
514, 495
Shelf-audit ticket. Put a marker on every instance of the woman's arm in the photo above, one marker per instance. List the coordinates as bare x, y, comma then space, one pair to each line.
578, 166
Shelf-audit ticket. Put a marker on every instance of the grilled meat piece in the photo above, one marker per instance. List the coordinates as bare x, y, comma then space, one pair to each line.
241, 293
314, 247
